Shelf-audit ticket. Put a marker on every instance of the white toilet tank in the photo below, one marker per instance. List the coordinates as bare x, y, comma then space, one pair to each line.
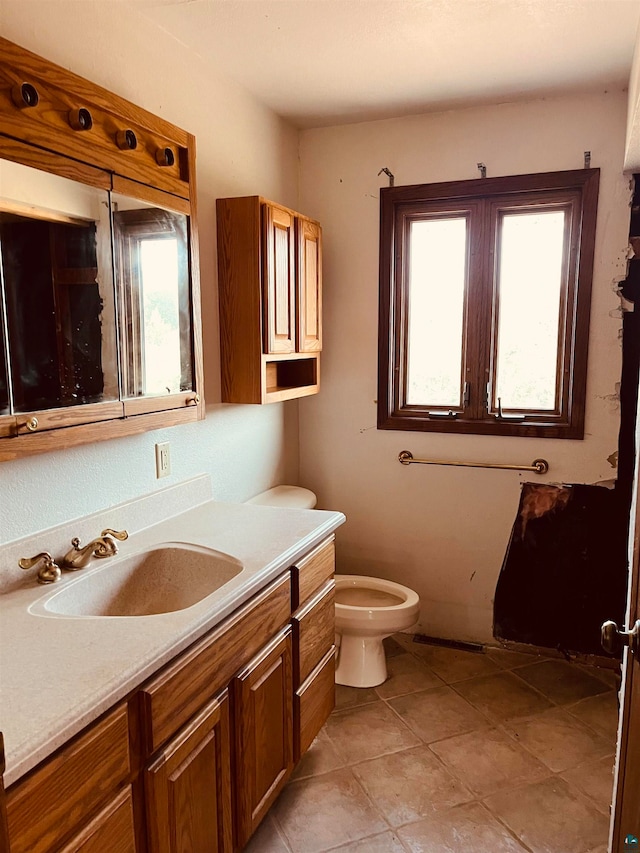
288, 497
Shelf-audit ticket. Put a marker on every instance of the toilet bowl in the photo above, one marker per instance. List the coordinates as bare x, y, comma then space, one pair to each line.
367, 609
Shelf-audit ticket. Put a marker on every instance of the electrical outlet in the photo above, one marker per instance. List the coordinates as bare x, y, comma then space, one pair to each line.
163, 460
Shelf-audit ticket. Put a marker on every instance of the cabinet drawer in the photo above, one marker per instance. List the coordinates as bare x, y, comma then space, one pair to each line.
314, 631
111, 830
75, 782
173, 697
312, 571
313, 703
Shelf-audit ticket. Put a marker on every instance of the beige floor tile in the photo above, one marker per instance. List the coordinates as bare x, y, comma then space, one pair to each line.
611, 677
388, 842
489, 760
595, 779
410, 785
469, 828
561, 682
326, 811
406, 675
321, 757
267, 839
599, 713
507, 659
353, 697
392, 647
437, 714
453, 665
503, 696
551, 817
559, 740
367, 732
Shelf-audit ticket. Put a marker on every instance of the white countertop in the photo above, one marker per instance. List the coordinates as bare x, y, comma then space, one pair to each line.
58, 673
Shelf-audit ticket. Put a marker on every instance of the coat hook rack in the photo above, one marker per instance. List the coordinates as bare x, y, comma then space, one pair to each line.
587, 159
483, 170
389, 174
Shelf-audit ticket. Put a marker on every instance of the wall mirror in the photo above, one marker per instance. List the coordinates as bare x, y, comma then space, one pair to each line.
152, 275
99, 290
56, 281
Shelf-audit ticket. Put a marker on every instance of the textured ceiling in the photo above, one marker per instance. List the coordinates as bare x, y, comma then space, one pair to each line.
321, 62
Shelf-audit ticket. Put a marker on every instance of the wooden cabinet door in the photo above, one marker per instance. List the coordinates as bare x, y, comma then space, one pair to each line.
263, 714
188, 787
309, 270
279, 279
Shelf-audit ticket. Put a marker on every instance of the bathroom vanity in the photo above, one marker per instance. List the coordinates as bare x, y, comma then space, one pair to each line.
180, 729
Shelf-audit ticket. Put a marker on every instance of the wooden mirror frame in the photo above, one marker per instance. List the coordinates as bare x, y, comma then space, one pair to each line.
74, 128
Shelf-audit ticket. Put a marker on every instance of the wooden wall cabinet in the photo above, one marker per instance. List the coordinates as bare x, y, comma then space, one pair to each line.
195, 757
270, 288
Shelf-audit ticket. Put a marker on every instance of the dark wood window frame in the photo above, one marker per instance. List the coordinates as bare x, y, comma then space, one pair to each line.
484, 199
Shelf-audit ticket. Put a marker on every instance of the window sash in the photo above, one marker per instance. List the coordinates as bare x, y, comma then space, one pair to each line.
485, 204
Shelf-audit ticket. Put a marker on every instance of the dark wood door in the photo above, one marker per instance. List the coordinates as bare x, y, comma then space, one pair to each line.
188, 787
263, 715
626, 803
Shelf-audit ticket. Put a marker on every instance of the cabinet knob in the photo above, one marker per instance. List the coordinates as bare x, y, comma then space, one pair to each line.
193, 399
80, 119
31, 424
25, 95
165, 157
126, 140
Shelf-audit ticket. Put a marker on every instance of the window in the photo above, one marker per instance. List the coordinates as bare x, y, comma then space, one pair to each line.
485, 292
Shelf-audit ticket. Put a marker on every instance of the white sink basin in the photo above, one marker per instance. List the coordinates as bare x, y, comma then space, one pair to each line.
160, 580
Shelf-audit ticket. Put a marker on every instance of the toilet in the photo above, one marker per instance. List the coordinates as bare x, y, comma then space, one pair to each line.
367, 609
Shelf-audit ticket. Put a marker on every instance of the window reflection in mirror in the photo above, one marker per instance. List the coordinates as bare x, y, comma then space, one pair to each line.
59, 346
152, 273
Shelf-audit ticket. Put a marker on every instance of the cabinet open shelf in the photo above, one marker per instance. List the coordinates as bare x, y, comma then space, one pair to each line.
287, 377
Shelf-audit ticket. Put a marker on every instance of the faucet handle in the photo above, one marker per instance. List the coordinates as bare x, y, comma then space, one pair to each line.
48, 572
121, 535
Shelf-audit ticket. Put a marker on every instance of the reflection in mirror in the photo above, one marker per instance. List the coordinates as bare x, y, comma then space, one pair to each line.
57, 287
152, 272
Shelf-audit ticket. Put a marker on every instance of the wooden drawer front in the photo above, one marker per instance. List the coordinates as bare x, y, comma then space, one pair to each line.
313, 703
188, 787
263, 712
312, 571
172, 698
314, 631
112, 830
73, 784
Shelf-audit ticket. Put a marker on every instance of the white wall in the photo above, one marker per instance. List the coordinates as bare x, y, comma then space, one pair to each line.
242, 149
443, 531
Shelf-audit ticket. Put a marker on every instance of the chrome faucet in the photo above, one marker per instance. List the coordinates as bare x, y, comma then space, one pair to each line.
103, 546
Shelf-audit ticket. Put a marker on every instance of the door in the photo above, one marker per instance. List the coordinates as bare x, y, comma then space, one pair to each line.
188, 787
263, 716
279, 279
625, 827
309, 286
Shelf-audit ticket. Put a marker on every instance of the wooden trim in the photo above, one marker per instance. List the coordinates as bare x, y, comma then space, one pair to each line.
194, 277
162, 403
4, 825
73, 436
134, 189
68, 416
65, 167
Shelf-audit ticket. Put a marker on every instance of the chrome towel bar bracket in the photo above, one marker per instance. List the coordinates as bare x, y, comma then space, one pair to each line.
538, 466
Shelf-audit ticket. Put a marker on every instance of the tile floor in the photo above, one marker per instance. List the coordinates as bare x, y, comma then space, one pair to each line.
456, 752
